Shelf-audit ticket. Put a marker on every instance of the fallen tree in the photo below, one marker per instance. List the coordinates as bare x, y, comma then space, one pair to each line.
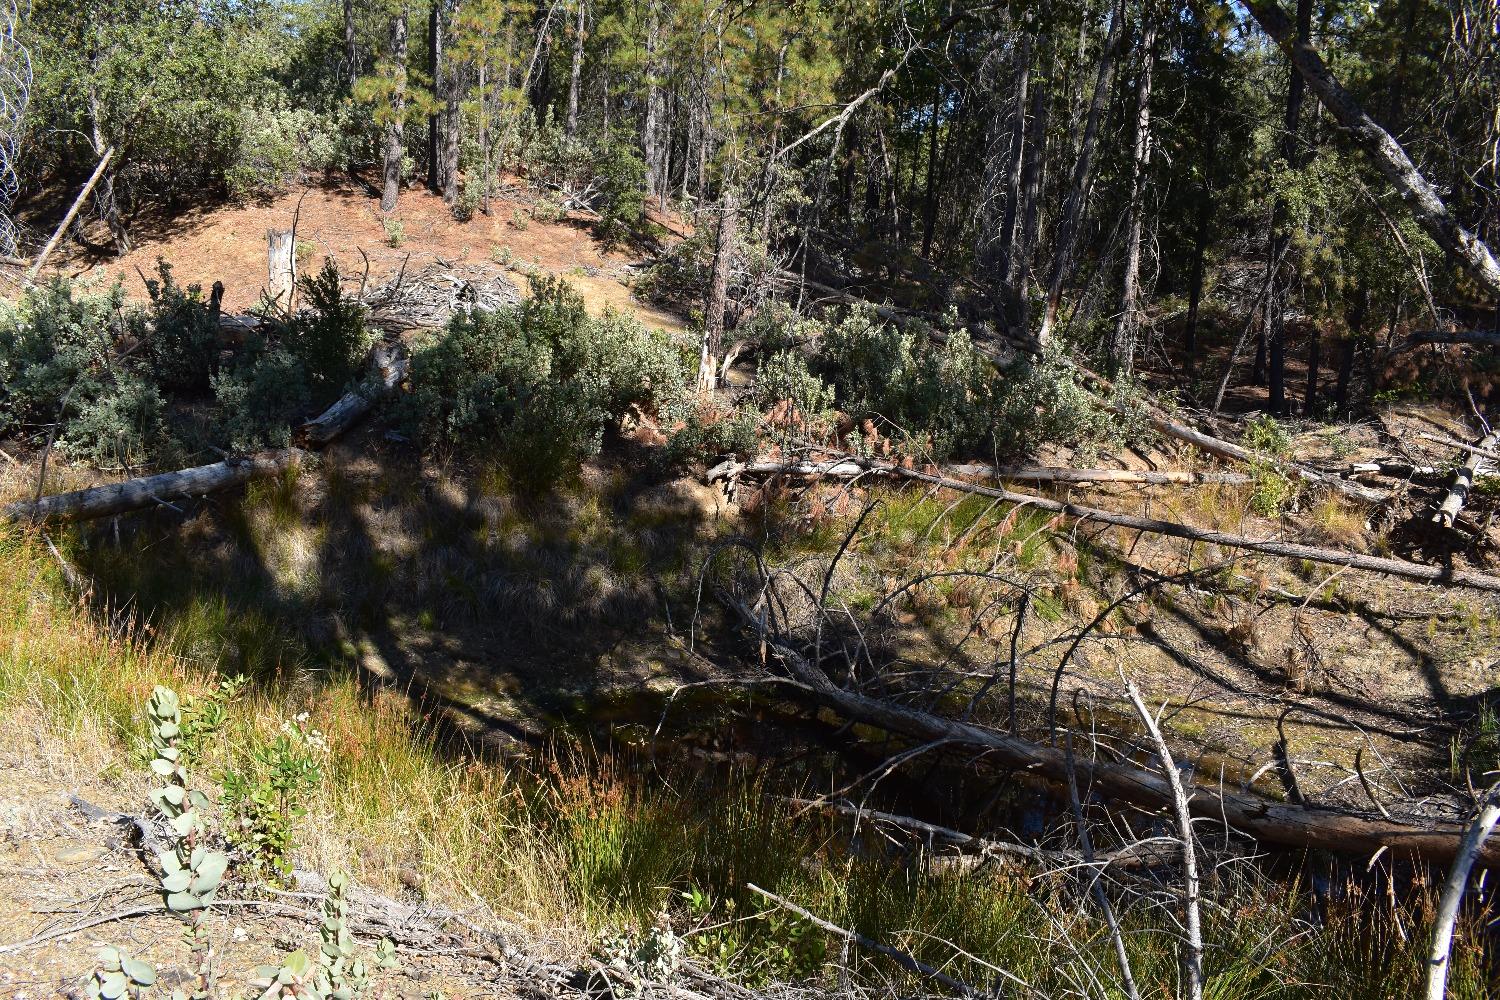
1462, 483
1033, 474
1259, 817
135, 494
849, 467
388, 368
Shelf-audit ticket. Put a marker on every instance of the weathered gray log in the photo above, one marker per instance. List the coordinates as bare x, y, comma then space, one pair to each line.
134, 494
1463, 480
851, 467
389, 367
1260, 817
1058, 474
1472, 449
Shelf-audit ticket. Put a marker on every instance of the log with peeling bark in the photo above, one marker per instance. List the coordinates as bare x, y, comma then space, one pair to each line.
1038, 474
158, 490
1212, 804
389, 367
853, 468
1463, 480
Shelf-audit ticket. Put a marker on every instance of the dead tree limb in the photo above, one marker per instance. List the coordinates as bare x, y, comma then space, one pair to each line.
1480, 449
388, 368
1420, 196
1462, 483
1193, 960
134, 494
1101, 898
1453, 891
850, 467
62, 227
1481, 338
978, 845
1254, 815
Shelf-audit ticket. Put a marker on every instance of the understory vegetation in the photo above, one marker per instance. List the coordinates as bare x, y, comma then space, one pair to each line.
581, 845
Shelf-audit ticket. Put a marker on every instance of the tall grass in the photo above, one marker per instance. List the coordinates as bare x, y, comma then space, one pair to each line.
572, 844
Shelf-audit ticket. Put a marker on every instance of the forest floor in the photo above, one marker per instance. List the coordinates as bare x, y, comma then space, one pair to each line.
520, 616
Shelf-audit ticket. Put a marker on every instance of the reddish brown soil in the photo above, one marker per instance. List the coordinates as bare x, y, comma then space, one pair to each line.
338, 218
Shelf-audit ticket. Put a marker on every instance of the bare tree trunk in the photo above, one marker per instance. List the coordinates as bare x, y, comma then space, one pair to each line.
395, 126
1314, 371
281, 262
929, 195
452, 121
1083, 171
576, 74
1420, 196
1018, 273
1275, 326
435, 71
718, 294
351, 51
1127, 327
649, 136
1195, 283
104, 188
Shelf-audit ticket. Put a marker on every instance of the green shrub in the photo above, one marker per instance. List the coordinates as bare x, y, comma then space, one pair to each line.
537, 383
260, 399
73, 360
621, 177
329, 338
466, 204
277, 143
706, 436
785, 376
184, 333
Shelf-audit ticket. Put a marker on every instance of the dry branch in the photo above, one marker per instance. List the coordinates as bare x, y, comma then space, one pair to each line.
62, 227
1453, 891
851, 467
134, 494
1260, 817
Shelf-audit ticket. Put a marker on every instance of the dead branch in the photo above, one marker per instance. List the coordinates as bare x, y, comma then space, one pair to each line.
1271, 821
850, 466
1453, 891
1101, 899
1193, 962
62, 227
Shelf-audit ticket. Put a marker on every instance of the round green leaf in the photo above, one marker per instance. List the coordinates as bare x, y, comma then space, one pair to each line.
177, 881
141, 973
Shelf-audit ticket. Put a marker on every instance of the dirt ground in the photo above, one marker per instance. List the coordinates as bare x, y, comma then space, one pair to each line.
338, 218
70, 885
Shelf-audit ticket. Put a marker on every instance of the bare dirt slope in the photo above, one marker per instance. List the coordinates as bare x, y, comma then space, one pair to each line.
339, 219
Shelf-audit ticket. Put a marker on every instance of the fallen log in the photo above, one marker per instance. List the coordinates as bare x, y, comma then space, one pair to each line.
1462, 483
1484, 338
1054, 474
134, 494
389, 367
1259, 817
850, 467
1472, 449
62, 227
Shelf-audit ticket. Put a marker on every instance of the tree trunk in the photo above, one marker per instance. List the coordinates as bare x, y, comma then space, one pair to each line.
484, 135
718, 294
1275, 326
104, 188
576, 73
650, 139
1420, 196
1033, 166
281, 262
1127, 327
1314, 371
395, 127
1463, 481
1083, 169
351, 51
1346, 374
452, 122
929, 195
1195, 282
435, 72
